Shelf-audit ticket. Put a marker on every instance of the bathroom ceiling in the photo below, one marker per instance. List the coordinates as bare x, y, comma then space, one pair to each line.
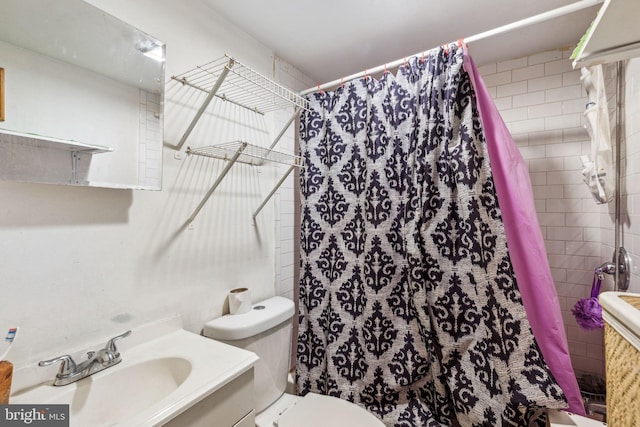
332, 38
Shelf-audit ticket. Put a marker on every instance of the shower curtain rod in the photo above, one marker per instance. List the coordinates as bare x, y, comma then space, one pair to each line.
536, 19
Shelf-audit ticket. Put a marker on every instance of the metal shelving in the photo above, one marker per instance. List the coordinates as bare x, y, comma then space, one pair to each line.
250, 154
230, 80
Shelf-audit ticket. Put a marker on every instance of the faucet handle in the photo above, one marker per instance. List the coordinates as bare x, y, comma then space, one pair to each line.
66, 367
111, 344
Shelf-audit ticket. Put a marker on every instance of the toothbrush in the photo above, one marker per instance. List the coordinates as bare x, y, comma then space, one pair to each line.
8, 341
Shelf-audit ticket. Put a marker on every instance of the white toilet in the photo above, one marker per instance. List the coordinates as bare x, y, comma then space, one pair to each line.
567, 419
266, 330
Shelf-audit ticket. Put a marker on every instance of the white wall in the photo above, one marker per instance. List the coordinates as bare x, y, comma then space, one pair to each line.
82, 263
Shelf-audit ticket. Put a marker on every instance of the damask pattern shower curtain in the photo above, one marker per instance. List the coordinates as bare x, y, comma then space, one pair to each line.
408, 302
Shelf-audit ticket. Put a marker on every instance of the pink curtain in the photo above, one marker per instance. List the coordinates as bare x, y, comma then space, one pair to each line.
526, 245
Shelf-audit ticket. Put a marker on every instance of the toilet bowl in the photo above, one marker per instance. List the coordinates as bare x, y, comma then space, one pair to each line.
266, 330
557, 418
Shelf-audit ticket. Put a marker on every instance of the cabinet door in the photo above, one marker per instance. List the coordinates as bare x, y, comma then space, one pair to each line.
224, 408
248, 421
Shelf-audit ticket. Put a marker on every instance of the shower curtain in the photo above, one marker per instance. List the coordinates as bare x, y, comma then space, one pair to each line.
408, 302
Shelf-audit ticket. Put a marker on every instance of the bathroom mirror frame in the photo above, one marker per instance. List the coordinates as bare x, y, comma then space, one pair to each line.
83, 94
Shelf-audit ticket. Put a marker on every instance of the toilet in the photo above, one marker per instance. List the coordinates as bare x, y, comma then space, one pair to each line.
557, 418
266, 330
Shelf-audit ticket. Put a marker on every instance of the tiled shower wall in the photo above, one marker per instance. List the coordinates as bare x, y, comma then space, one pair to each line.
541, 100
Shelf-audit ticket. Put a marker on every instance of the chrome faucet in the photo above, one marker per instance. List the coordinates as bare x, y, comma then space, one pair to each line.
70, 371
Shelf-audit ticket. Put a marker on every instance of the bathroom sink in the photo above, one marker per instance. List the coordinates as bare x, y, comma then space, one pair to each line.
159, 378
138, 387
115, 395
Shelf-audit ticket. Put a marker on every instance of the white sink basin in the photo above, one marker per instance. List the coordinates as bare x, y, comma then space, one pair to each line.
119, 394
157, 380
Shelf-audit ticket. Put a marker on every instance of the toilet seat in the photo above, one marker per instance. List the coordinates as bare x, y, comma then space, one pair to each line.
567, 419
316, 410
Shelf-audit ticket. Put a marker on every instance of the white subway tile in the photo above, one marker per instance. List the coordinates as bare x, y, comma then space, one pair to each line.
497, 79
548, 192
565, 233
540, 205
633, 203
554, 219
503, 103
574, 106
607, 238
562, 301
583, 219
512, 63
521, 139
533, 152
564, 177
531, 98
539, 58
563, 93
557, 67
633, 165
564, 149
576, 191
544, 83
591, 234
545, 110
577, 134
545, 137
526, 126
487, 69
512, 89
577, 348
562, 122
558, 274
580, 277
583, 248
555, 247
566, 261
564, 205
595, 352
572, 163
527, 73
590, 205
571, 78
539, 178
543, 165
514, 114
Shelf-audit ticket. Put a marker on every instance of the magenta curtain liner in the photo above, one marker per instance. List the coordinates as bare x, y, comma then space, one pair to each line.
526, 245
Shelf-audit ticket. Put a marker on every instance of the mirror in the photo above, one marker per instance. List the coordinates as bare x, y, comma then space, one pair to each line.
83, 96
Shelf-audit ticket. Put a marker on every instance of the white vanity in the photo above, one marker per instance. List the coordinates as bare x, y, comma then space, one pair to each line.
167, 376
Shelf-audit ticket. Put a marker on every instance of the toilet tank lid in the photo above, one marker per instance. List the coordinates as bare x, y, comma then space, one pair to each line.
262, 316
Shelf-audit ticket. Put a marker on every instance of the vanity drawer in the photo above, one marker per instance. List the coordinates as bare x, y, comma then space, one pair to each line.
230, 406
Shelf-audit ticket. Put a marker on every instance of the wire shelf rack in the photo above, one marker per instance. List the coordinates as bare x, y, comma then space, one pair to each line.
250, 154
241, 85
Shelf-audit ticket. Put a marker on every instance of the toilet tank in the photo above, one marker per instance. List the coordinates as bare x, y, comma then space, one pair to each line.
265, 330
